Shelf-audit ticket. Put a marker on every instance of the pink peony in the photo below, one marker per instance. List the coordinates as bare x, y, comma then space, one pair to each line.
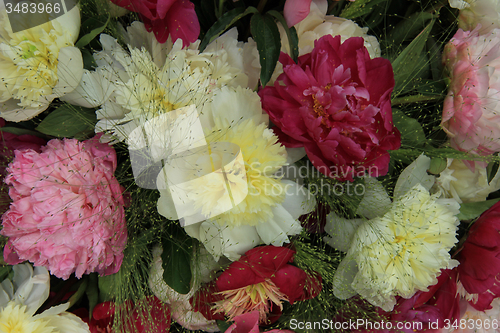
166, 17
296, 10
471, 112
336, 102
249, 323
67, 212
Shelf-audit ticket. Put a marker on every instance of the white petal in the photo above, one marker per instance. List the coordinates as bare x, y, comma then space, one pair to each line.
68, 323
275, 231
70, 22
31, 290
94, 89
69, 71
238, 240
343, 278
414, 173
6, 293
376, 201
10, 111
298, 199
341, 231
295, 154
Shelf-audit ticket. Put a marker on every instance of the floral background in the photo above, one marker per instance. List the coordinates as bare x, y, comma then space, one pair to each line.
250, 166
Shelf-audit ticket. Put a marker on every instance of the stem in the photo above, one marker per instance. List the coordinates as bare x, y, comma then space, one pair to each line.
261, 5
221, 8
415, 99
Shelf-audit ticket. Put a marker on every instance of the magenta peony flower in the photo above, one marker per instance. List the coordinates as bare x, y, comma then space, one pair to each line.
67, 212
166, 17
336, 103
471, 112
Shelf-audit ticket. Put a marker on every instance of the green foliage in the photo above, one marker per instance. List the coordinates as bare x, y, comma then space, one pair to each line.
68, 121
91, 28
267, 37
359, 8
176, 261
472, 210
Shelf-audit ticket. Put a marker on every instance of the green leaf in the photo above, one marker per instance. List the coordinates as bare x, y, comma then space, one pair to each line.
359, 8
472, 210
437, 165
267, 37
291, 33
223, 325
94, 26
223, 23
412, 133
491, 170
409, 62
79, 292
92, 292
68, 121
88, 60
408, 28
176, 262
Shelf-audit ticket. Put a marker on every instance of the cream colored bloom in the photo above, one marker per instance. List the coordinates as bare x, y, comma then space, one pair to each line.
136, 86
457, 181
404, 250
402, 247
38, 65
266, 215
317, 24
18, 307
474, 12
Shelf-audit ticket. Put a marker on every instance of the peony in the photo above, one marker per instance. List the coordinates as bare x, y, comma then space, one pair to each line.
21, 298
260, 281
316, 24
151, 315
166, 17
154, 79
470, 111
485, 13
484, 321
46, 60
68, 211
457, 181
336, 104
8, 144
479, 270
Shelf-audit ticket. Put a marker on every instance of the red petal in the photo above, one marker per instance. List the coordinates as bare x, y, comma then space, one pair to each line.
182, 22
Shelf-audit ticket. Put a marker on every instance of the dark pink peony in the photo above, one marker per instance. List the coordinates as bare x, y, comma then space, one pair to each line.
8, 144
166, 17
336, 104
479, 269
67, 212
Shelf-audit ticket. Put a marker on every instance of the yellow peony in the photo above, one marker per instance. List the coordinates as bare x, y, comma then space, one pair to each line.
404, 250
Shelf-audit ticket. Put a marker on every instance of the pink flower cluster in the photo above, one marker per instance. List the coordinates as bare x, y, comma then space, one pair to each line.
471, 110
67, 212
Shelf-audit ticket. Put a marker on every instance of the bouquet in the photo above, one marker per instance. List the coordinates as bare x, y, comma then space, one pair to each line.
250, 166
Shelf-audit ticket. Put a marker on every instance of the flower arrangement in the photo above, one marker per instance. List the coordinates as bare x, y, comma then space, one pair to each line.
250, 166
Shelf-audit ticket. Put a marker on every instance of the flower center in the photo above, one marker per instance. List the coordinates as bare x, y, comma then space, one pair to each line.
255, 297
14, 319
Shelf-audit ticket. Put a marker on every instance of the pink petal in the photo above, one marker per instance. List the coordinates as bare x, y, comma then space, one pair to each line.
296, 10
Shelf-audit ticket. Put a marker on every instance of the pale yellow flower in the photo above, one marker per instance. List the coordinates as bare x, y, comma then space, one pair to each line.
404, 250
38, 65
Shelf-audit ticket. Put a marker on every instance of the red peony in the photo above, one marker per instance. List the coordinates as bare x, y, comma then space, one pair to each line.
479, 269
166, 17
152, 317
259, 281
336, 103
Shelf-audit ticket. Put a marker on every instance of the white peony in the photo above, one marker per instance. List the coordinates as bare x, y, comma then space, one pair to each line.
38, 65
21, 298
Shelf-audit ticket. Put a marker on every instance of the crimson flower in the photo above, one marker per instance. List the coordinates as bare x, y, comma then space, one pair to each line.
152, 317
479, 269
166, 17
336, 104
259, 281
